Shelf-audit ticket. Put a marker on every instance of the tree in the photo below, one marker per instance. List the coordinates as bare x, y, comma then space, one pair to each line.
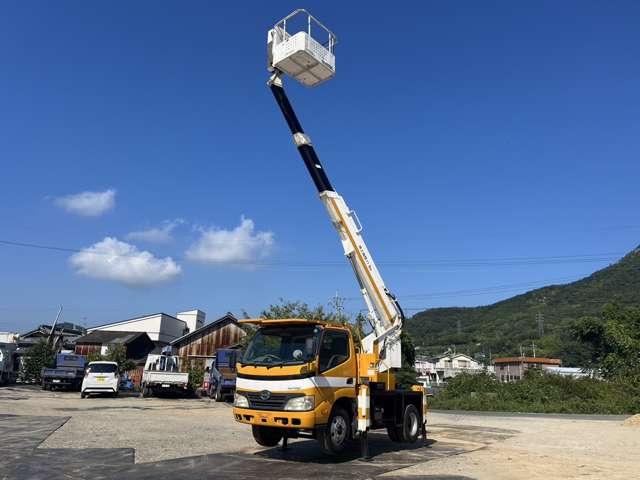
613, 340
40, 355
118, 353
298, 309
407, 375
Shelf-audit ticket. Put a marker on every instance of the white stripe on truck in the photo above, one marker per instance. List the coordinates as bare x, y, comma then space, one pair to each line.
297, 384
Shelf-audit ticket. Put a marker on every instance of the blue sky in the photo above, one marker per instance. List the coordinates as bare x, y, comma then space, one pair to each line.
462, 133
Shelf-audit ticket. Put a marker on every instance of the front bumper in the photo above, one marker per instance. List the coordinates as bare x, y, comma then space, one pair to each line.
274, 418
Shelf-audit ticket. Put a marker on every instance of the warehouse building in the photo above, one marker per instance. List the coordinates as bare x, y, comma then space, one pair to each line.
161, 327
203, 342
137, 345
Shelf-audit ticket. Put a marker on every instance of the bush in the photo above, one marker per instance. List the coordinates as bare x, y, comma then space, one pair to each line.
40, 355
196, 374
538, 392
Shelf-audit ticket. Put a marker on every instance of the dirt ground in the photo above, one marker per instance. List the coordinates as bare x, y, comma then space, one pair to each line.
479, 446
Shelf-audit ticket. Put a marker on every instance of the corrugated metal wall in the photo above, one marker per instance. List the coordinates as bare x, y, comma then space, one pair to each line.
206, 344
87, 349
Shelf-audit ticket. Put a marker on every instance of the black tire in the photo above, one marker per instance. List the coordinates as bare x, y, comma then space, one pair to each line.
336, 436
219, 396
266, 436
411, 424
83, 395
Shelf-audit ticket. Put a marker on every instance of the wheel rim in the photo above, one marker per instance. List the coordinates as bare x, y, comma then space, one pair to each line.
412, 419
338, 430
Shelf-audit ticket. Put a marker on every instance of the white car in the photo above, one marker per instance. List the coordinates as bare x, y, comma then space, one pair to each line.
101, 377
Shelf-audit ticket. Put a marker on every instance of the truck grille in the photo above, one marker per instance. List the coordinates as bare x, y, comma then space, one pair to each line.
275, 402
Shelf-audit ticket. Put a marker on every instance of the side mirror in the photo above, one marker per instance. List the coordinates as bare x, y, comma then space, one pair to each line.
313, 367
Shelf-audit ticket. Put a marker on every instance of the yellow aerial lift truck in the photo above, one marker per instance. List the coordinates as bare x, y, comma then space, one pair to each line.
302, 378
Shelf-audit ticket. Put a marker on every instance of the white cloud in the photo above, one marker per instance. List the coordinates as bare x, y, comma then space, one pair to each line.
88, 204
111, 259
160, 234
240, 245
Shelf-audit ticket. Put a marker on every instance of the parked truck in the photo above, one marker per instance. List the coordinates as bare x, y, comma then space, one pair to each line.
163, 374
8, 363
310, 378
67, 374
220, 380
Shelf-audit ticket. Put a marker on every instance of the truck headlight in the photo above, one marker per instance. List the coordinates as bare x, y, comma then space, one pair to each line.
240, 401
300, 404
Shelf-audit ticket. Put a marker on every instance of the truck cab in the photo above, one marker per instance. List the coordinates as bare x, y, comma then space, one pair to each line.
294, 372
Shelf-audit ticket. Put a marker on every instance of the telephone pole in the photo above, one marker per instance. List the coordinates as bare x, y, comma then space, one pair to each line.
540, 321
540, 316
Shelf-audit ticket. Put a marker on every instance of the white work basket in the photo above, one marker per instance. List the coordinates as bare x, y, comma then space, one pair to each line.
300, 55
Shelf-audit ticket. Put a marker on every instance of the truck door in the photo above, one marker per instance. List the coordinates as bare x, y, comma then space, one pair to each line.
336, 368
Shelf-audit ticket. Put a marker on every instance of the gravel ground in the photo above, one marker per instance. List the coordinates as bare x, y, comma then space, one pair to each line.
493, 446
158, 428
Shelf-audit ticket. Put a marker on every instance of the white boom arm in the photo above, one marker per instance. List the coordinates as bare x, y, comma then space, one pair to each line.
385, 314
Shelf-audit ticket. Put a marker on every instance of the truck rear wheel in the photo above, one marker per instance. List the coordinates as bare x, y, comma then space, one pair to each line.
335, 437
266, 436
409, 430
410, 424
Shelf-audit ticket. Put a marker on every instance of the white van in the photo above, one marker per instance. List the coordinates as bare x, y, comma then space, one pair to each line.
101, 377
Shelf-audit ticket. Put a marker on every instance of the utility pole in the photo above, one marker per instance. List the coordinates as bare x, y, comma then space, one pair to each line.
540, 321
540, 316
533, 347
337, 302
53, 327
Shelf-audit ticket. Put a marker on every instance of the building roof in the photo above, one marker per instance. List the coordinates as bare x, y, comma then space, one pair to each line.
59, 330
540, 360
106, 337
134, 319
437, 358
227, 318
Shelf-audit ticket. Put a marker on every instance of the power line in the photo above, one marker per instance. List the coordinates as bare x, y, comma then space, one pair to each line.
479, 262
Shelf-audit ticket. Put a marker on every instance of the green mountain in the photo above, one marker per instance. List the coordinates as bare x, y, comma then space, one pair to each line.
504, 327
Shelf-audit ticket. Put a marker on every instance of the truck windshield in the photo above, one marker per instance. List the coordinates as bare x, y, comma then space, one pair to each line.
283, 345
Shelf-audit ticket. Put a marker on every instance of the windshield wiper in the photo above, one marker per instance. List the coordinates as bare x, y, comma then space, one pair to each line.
278, 364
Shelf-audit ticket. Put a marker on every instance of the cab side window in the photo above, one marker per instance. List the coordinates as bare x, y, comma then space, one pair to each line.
334, 349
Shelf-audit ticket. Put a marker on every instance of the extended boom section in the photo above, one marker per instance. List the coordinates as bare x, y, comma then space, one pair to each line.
385, 314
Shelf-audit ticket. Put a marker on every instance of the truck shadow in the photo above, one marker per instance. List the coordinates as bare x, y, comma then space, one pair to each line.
380, 449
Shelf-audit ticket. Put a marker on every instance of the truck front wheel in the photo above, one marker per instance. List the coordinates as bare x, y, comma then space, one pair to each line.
266, 436
335, 437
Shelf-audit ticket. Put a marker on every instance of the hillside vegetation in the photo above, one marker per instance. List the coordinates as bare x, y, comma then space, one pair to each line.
502, 327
